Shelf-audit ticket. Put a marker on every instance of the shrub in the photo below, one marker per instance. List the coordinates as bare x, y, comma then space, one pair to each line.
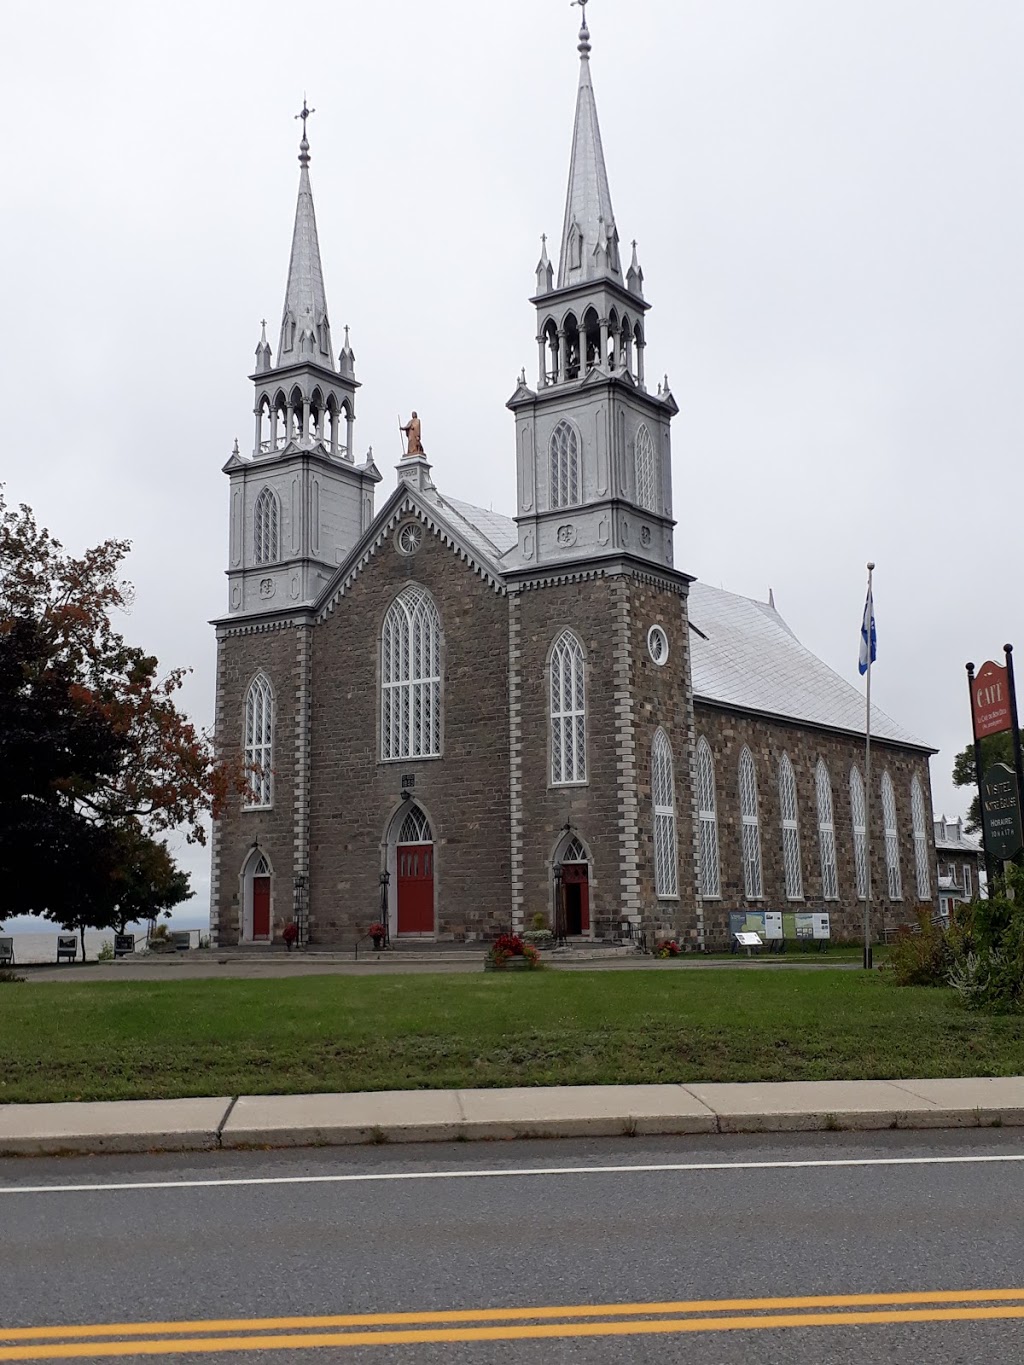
980, 952
921, 955
106, 952
668, 947
8, 978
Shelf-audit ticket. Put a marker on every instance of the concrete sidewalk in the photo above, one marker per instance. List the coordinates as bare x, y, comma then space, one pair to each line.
556, 1111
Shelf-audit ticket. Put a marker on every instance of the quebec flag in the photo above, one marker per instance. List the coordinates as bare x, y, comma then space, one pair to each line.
868, 637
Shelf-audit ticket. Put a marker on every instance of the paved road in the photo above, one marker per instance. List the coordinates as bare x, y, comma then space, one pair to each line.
666, 1252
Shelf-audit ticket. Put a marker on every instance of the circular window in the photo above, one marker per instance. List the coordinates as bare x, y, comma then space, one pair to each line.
409, 538
657, 645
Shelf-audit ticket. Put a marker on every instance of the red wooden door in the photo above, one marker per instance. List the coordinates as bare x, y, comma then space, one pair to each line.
261, 907
415, 888
576, 879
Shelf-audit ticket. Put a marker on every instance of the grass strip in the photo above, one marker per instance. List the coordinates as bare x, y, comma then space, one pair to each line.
147, 1040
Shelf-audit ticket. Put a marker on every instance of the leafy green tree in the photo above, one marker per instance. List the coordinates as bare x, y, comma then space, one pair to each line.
146, 882
994, 749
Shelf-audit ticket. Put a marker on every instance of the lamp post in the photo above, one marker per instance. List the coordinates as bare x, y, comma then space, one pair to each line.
300, 883
385, 880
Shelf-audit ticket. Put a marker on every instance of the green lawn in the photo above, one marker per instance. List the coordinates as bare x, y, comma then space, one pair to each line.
143, 1039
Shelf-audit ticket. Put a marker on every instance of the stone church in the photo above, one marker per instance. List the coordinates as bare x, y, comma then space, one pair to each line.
461, 720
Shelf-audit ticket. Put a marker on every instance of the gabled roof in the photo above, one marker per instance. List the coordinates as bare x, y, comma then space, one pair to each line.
745, 656
457, 523
950, 836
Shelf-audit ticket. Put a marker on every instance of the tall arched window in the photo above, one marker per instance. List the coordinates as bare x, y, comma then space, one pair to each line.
892, 839
751, 827
791, 864
707, 813
564, 457
259, 742
266, 535
924, 881
860, 837
568, 711
663, 797
826, 834
410, 692
646, 479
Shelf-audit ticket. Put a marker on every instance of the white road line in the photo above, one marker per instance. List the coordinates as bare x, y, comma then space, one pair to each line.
516, 1172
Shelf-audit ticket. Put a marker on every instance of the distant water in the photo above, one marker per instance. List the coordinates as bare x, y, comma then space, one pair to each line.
43, 947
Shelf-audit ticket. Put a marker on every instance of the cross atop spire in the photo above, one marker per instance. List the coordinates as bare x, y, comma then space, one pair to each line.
304, 114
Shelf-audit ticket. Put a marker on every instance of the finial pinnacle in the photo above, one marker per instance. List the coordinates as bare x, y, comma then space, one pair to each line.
304, 114
584, 47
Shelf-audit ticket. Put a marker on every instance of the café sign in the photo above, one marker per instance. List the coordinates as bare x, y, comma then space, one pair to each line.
1000, 812
990, 701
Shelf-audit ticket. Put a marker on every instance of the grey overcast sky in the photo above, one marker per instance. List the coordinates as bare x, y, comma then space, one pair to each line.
828, 200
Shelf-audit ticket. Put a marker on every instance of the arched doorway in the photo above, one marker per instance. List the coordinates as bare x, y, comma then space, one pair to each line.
414, 880
257, 899
572, 890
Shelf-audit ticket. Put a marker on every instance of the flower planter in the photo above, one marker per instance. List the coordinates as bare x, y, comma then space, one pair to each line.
513, 964
378, 943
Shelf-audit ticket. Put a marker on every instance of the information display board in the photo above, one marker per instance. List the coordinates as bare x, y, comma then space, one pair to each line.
766, 923
807, 925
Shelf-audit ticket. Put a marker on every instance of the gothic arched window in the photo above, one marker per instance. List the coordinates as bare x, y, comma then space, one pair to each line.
826, 834
646, 478
568, 711
791, 864
259, 742
924, 881
410, 677
892, 839
707, 811
751, 827
564, 458
265, 526
663, 797
860, 851
415, 828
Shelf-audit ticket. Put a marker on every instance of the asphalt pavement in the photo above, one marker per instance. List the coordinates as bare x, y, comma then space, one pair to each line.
823, 1248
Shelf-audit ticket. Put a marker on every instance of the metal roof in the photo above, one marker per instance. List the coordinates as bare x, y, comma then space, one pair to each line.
746, 657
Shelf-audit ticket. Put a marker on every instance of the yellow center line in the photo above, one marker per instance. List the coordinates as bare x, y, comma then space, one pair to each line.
461, 1315
536, 1331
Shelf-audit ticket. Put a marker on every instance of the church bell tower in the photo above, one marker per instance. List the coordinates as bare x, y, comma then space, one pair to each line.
299, 501
593, 444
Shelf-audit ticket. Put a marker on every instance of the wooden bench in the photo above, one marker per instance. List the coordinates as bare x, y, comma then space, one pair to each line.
6, 952
182, 940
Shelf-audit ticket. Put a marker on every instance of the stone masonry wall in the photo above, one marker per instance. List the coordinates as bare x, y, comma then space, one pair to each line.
465, 793
239, 658
594, 609
661, 699
727, 732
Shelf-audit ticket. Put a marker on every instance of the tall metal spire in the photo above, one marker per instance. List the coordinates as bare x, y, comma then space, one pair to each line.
305, 328
590, 241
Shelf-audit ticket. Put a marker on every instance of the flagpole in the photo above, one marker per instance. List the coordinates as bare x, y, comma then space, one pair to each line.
867, 768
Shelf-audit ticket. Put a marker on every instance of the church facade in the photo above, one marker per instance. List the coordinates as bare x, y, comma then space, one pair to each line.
474, 720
